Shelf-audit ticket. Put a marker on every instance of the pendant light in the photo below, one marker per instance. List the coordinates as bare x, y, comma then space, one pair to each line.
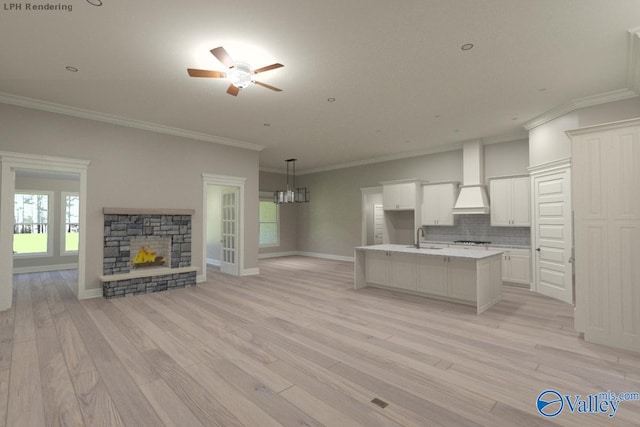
291, 194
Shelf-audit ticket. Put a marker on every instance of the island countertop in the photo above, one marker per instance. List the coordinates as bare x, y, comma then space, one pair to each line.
427, 250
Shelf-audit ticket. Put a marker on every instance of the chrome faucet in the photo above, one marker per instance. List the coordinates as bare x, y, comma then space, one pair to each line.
418, 236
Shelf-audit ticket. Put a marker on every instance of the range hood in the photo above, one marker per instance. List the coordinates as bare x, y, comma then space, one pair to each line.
472, 198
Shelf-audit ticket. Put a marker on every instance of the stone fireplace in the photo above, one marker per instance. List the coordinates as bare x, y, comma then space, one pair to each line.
146, 250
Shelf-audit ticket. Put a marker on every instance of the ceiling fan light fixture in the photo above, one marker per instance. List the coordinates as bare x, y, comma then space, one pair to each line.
240, 75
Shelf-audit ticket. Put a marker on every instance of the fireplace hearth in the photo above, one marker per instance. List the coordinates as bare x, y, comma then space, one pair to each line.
146, 250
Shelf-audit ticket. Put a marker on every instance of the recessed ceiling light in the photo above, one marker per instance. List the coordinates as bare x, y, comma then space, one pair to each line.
514, 118
331, 99
542, 89
457, 130
72, 69
267, 124
95, 2
437, 116
467, 46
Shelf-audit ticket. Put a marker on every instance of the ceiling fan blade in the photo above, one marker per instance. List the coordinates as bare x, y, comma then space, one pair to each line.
233, 90
267, 68
267, 86
223, 56
193, 72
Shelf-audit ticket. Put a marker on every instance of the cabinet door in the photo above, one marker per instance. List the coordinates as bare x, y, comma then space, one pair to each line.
389, 197
430, 209
521, 202
446, 199
406, 193
499, 191
402, 271
519, 268
377, 268
432, 275
462, 279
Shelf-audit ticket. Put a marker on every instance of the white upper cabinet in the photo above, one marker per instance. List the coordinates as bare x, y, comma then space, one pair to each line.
437, 203
399, 195
510, 202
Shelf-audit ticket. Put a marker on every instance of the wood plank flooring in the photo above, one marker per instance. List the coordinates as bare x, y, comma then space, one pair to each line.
294, 346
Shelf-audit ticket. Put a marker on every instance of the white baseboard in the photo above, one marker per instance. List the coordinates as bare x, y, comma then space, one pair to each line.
43, 268
212, 261
90, 293
250, 272
277, 254
309, 254
326, 256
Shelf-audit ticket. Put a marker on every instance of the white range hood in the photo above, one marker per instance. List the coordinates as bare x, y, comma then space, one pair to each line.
473, 195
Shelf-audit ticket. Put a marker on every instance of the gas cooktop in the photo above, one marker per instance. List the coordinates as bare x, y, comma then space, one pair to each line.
471, 242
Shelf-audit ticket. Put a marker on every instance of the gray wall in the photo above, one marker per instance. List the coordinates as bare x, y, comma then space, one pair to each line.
332, 222
57, 186
133, 168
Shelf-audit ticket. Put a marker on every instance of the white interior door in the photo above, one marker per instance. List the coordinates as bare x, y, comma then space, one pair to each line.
378, 224
229, 232
553, 236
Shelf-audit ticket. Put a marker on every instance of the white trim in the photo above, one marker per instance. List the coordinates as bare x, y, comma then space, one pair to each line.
589, 101
52, 107
9, 162
227, 181
211, 261
91, 293
550, 167
43, 268
326, 256
633, 58
364, 192
603, 126
63, 222
201, 278
277, 254
250, 272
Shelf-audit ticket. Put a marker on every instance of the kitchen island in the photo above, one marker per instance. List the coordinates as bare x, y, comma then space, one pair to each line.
466, 276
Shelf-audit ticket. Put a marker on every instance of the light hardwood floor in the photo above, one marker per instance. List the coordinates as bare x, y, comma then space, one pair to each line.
294, 346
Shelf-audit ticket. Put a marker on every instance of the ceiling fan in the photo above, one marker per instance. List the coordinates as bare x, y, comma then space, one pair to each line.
240, 73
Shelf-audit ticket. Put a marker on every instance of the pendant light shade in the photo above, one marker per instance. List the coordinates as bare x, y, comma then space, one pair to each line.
291, 194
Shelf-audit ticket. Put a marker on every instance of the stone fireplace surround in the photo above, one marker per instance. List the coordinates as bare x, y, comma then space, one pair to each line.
121, 225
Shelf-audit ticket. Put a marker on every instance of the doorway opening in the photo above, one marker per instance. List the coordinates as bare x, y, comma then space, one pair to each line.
223, 223
52, 193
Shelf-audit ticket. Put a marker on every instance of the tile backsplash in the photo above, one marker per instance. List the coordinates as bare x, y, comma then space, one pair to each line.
478, 227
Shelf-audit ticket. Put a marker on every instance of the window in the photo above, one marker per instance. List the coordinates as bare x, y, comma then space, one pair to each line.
269, 224
70, 225
31, 223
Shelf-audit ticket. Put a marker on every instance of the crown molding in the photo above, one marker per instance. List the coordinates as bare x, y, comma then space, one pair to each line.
37, 104
633, 61
588, 101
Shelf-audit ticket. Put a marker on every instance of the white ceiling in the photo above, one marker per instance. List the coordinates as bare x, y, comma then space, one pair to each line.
400, 80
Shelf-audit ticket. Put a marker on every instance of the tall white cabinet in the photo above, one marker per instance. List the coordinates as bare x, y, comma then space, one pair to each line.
606, 191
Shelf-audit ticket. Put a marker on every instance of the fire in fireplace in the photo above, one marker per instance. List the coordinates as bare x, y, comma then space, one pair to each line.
150, 251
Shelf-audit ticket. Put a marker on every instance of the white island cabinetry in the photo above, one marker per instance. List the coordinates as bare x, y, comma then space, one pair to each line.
466, 276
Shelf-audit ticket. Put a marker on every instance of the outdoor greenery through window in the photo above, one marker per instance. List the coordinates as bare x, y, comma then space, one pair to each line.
71, 204
269, 227
31, 225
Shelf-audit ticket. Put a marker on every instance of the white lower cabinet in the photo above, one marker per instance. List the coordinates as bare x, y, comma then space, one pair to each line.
402, 271
516, 265
432, 275
448, 277
377, 268
392, 269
